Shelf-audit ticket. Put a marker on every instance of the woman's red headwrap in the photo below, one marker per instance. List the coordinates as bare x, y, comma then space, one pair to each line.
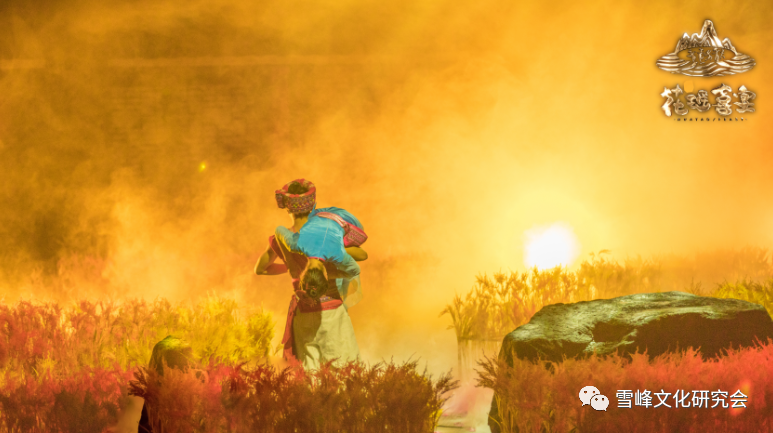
297, 203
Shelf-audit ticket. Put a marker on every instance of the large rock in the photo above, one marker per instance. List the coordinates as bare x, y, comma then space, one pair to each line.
656, 322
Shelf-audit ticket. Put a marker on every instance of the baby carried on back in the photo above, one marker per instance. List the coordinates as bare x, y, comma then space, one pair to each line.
324, 238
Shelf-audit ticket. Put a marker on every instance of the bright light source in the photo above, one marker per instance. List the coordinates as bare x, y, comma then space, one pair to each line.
551, 246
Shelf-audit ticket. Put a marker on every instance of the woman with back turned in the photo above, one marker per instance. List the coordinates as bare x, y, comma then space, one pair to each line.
325, 276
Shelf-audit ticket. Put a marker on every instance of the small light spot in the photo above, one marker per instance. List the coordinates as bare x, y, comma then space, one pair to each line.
202, 167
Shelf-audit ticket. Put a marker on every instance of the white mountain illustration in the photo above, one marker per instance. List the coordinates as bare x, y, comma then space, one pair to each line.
708, 37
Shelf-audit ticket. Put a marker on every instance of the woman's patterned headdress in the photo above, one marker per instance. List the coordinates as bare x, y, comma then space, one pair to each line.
297, 203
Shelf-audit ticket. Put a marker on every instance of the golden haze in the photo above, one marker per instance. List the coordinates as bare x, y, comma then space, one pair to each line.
151, 136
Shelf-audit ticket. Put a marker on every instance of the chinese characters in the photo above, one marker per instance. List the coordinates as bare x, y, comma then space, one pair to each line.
704, 55
672, 98
681, 398
700, 102
745, 106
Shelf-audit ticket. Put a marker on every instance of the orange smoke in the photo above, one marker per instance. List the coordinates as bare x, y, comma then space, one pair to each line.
152, 136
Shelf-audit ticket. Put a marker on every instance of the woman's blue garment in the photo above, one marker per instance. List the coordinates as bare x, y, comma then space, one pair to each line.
323, 238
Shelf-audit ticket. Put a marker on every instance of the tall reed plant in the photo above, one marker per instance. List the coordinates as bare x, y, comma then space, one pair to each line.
47, 338
498, 304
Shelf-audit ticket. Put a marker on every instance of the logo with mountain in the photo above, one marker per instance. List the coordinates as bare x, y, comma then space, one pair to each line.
704, 55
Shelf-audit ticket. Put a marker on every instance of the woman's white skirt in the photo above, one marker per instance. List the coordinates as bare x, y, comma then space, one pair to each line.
322, 336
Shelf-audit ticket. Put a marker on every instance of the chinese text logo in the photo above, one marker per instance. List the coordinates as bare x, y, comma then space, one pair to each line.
700, 102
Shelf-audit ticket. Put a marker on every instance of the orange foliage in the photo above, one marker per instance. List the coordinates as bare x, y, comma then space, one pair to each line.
353, 398
533, 398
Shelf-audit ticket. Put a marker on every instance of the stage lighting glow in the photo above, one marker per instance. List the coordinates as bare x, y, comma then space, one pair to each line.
550, 246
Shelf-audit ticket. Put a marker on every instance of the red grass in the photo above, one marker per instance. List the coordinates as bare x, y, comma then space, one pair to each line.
69, 370
531, 398
86, 401
353, 398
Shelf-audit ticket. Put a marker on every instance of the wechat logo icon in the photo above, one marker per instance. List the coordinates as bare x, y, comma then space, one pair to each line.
592, 396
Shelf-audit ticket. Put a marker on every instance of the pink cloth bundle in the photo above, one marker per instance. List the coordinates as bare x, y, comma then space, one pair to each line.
353, 235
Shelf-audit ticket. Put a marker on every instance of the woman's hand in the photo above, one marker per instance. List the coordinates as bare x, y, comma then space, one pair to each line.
353, 293
357, 253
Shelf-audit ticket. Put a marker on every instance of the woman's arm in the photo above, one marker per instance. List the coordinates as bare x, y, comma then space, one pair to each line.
357, 253
266, 265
